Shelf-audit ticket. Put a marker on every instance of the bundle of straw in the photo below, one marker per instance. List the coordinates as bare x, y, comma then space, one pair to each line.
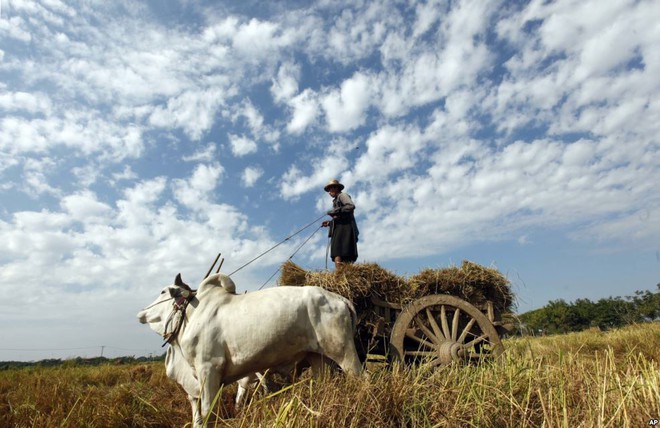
291, 274
471, 282
358, 282
353, 281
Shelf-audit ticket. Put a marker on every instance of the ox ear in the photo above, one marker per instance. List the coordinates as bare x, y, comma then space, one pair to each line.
179, 283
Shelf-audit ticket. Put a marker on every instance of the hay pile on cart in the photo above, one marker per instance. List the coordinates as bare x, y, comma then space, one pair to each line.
358, 282
447, 314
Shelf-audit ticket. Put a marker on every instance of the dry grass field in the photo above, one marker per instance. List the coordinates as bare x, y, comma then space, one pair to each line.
587, 379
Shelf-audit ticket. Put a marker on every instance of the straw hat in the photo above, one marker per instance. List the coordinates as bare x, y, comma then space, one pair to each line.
333, 182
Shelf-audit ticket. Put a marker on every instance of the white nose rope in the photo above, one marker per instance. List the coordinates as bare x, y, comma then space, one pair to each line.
157, 303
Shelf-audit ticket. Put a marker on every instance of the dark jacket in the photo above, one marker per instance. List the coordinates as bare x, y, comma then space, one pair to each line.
343, 229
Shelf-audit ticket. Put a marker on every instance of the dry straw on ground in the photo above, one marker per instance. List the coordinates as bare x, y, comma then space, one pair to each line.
358, 282
586, 379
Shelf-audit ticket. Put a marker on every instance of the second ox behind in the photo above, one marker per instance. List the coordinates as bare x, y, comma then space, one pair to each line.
217, 337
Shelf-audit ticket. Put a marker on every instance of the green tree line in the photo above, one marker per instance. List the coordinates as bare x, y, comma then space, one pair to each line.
558, 316
78, 361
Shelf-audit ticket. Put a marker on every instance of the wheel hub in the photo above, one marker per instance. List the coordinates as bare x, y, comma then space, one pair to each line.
450, 351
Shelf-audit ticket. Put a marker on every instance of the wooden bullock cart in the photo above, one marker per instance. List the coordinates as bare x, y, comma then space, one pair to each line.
430, 325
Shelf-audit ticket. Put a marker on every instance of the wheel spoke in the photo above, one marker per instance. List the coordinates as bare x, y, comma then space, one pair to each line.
479, 356
435, 362
434, 324
477, 340
454, 324
428, 332
421, 354
420, 340
466, 330
443, 320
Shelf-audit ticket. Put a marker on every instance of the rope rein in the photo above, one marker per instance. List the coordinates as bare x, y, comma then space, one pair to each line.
291, 256
278, 244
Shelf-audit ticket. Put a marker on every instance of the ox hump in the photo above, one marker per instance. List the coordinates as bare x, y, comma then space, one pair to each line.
218, 280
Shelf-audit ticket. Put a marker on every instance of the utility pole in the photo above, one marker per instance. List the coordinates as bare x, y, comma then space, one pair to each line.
102, 347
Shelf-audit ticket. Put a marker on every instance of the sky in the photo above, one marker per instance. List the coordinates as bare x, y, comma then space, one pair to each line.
140, 139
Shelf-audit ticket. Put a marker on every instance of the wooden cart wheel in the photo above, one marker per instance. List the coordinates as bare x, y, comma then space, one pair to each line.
440, 329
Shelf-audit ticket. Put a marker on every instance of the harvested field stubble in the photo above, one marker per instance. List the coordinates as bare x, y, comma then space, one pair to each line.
611, 379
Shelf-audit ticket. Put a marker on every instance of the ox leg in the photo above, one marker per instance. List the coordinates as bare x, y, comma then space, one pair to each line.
263, 380
196, 414
240, 395
210, 383
244, 385
320, 365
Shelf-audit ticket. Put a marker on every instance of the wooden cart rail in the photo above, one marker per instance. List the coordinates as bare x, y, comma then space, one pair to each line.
389, 310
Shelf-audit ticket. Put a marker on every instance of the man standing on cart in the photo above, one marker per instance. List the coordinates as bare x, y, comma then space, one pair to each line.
343, 229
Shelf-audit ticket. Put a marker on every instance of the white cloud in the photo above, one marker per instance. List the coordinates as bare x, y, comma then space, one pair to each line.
85, 206
86, 174
357, 29
254, 118
259, 38
83, 132
395, 49
35, 177
203, 154
305, 111
346, 108
461, 123
250, 175
192, 111
246, 115
485, 194
589, 75
93, 253
7, 161
14, 28
389, 150
523, 240
136, 207
241, 145
30, 102
426, 15
579, 153
285, 85
331, 164
126, 174
195, 191
631, 229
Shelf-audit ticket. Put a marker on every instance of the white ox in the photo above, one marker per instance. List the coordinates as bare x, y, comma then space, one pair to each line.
224, 337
